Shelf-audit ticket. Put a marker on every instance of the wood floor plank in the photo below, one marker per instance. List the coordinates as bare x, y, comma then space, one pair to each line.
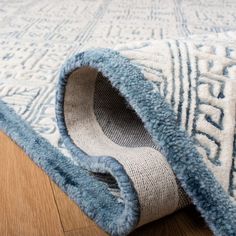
27, 204
87, 231
71, 216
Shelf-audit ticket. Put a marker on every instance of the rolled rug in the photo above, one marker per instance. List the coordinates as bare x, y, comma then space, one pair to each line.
148, 122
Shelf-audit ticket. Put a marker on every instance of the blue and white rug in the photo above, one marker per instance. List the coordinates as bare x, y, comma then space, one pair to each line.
129, 106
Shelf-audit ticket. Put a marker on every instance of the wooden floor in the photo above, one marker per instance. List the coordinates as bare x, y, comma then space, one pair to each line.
32, 205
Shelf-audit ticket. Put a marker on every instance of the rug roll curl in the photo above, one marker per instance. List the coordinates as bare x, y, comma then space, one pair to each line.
140, 115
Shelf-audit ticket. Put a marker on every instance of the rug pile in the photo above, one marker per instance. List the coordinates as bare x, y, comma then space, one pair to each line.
129, 106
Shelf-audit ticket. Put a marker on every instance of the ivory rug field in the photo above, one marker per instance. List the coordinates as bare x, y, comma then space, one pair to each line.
129, 106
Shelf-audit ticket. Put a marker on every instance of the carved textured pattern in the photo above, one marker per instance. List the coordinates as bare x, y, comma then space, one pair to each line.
191, 75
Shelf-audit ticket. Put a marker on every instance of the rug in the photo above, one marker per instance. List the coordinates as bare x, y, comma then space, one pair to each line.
128, 106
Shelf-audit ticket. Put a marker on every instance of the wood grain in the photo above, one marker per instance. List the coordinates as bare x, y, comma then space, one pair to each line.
71, 215
88, 231
33, 205
26, 198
